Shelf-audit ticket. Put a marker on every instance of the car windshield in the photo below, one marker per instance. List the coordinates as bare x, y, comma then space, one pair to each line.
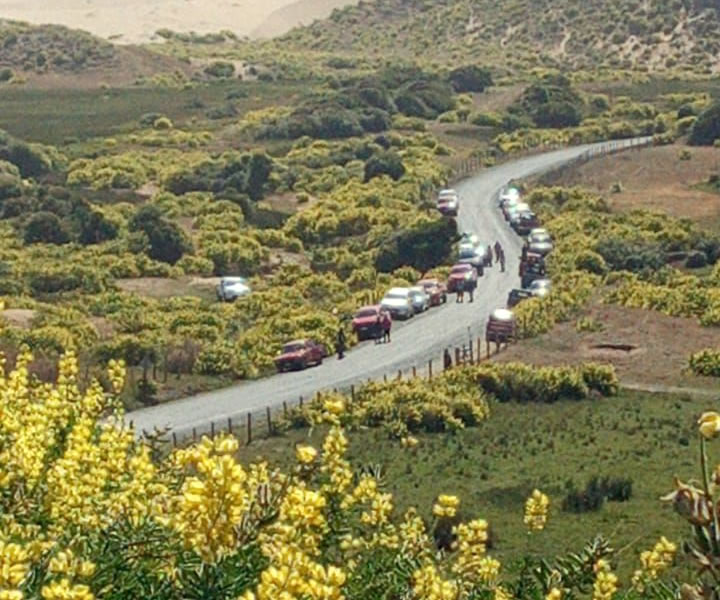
293, 347
367, 312
467, 252
396, 296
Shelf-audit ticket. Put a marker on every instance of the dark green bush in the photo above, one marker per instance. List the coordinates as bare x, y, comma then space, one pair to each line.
384, 163
45, 228
422, 247
470, 78
221, 69
707, 127
167, 242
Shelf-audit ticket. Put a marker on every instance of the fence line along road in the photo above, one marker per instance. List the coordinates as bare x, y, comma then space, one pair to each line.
414, 343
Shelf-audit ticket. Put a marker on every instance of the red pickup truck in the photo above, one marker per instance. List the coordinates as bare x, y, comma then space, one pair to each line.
371, 322
435, 289
298, 354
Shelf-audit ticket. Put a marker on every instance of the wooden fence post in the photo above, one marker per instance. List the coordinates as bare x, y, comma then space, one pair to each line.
385, 377
230, 428
285, 409
430, 369
269, 419
414, 371
399, 374
301, 401
194, 435
212, 430
457, 356
352, 392
249, 428
174, 438
472, 359
479, 346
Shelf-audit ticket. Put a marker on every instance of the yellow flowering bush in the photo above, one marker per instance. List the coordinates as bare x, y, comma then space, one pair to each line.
88, 511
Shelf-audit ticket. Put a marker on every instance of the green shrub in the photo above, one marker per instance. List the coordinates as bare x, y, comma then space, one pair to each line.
706, 363
167, 242
707, 127
470, 78
45, 228
221, 69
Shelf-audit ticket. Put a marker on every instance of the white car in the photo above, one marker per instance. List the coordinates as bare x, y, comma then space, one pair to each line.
398, 302
540, 284
509, 194
232, 288
448, 194
469, 238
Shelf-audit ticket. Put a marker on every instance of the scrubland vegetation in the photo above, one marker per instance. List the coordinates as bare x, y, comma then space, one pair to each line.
308, 163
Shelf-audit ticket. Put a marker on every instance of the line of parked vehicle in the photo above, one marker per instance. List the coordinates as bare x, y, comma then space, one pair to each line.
399, 303
534, 282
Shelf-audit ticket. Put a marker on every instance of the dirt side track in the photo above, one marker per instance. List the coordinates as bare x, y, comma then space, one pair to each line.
413, 343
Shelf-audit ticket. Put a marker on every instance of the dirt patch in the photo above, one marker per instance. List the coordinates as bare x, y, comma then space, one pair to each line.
652, 178
104, 327
165, 287
644, 346
19, 317
288, 203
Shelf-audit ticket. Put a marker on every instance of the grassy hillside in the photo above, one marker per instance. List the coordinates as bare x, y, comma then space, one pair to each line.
656, 35
51, 48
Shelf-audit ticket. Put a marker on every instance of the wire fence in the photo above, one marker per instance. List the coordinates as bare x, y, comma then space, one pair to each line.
249, 426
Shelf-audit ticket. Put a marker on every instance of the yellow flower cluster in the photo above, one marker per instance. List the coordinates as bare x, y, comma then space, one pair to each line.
66, 563
446, 506
606, 582
64, 590
554, 594
536, 511
470, 544
305, 454
654, 563
429, 585
334, 464
14, 567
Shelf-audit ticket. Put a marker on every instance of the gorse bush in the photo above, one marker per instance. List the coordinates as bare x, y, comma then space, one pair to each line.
196, 522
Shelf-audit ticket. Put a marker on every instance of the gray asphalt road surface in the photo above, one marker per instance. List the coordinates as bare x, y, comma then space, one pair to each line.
414, 342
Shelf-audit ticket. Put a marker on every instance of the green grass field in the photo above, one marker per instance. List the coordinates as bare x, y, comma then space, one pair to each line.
56, 116
493, 468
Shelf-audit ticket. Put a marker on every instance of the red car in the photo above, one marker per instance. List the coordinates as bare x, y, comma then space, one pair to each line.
435, 289
462, 273
365, 322
299, 354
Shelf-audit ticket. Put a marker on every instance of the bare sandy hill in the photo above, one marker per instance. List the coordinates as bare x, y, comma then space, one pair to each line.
299, 12
136, 21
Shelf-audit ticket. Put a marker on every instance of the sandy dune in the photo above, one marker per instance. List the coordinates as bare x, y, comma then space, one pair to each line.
133, 21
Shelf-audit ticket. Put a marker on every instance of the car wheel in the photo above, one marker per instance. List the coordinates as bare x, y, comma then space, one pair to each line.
319, 361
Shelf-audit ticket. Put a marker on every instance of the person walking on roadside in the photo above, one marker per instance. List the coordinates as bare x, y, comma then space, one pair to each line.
471, 290
340, 343
460, 293
498, 250
523, 256
387, 325
447, 359
502, 260
490, 255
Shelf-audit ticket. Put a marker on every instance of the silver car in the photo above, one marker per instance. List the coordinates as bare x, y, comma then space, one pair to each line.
231, 288
419, 298
398, 302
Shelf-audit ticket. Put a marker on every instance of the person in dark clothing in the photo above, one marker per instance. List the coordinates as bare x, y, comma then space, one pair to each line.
498, 251
379, 333
490, 255
471, 290
502, 260
523, 257
460, 293
447, 359
340, 343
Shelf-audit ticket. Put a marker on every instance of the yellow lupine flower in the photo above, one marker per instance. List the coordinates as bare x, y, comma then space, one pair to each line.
554, 594
605, 584
536, 511
446, 506
709, 424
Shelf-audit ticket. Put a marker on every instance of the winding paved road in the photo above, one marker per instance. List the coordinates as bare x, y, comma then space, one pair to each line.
413, 342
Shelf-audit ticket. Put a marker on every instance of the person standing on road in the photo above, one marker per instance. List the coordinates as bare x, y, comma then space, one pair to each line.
498, 250
340, 343
460, 293
471, 290
490, 255
379, 332
386, 325
447, 359
523, 256
502, 260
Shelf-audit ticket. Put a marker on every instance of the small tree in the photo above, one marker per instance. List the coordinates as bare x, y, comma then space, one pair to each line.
167, 242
